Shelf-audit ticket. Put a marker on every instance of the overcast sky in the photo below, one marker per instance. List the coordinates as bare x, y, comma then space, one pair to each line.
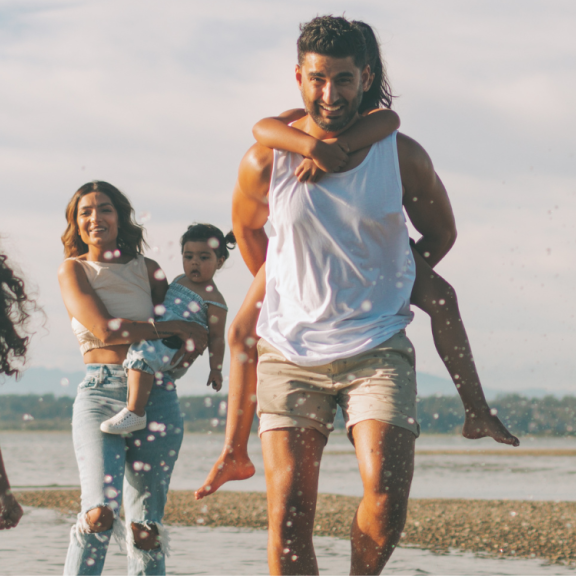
159, 99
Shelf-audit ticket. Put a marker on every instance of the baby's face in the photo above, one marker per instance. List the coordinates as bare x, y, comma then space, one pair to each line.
200, 262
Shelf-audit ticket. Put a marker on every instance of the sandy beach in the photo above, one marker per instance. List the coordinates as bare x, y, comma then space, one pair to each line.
514, 528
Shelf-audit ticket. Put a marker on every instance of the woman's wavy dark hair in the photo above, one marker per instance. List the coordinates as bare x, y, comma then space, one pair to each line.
208, 233
15, 311
130, 239
379, 94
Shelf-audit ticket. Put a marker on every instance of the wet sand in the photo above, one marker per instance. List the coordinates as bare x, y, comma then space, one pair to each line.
513, 528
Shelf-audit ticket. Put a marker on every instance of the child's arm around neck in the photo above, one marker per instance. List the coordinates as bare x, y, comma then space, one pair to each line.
328, 156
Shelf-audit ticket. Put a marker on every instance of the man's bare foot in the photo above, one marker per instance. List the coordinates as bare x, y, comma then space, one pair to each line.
487, 425
228, 467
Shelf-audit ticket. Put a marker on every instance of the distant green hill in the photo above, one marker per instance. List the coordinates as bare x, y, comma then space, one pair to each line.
438, 415
60, 383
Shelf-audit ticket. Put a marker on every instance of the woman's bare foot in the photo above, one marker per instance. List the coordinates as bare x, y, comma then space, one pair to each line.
487, 425
228, 467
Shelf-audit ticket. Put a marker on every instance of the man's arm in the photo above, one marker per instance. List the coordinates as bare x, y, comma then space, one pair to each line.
250, 205
426, 201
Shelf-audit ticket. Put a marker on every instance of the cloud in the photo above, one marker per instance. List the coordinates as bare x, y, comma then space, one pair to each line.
160, 100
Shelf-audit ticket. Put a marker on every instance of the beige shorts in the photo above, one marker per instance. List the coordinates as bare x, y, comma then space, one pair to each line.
379, 384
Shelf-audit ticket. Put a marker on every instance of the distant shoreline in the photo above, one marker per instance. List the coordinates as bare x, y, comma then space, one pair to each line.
511, 528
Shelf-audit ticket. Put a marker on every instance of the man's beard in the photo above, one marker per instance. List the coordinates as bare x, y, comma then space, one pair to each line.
337, 124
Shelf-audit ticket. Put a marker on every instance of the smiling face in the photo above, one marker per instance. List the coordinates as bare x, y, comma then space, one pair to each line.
332, 89
97, 221
200, 261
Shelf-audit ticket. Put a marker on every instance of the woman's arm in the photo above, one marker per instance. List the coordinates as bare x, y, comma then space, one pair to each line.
83, 303
216, 345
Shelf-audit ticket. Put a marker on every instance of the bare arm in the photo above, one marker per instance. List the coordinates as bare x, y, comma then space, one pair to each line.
275, 133
250, 206
83, 303
369, 129
216, 345
426, 201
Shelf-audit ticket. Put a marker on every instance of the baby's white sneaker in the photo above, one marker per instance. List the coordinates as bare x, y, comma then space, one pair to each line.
123, 423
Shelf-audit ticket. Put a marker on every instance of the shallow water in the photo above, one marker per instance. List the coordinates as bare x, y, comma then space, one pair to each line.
47, 458
38, 546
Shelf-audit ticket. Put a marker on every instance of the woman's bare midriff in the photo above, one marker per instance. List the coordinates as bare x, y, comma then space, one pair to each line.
107, 355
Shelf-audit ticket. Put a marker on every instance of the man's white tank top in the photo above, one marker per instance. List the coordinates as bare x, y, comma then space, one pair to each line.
339, 268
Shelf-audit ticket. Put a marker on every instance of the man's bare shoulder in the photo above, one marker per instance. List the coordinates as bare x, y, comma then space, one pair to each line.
255, 170
415, 163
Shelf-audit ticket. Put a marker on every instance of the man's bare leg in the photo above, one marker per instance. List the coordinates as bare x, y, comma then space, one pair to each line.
291, 463
234, 462
386, 460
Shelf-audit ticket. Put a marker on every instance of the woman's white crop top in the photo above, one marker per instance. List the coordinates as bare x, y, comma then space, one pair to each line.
124, 290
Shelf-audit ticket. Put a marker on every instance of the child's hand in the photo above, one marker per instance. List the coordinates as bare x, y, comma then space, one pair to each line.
307, 171
330, 155
215, 380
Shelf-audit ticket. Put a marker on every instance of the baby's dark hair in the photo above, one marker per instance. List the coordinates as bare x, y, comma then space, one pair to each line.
213, 236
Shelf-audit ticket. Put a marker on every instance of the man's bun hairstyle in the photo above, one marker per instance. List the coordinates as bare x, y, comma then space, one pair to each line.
212, 236
332, 36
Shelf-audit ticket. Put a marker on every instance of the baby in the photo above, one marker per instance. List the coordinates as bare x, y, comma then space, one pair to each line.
193, 296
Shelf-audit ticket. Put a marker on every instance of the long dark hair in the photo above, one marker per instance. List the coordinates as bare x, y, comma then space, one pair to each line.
130, 239
214, 236
379, 95
15, 310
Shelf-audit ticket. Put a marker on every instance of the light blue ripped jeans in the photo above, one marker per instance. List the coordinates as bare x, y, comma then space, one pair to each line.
135, 469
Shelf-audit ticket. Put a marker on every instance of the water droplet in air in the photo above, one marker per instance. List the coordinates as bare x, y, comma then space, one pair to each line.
116, 253
194, 307
159, 309
190, 347
222, 409
177, 301
108, 255
145, 217
214, 422
366, 305
513, 513
436, 416
200, 520
114, 324
242, 358
90, 561
493, 411
294, 557
107, 478
159, 274
207, 402
258, 304
111, 492
209, 288
399, 284
147, 467
64, 382
138, 465
213, 243
441, 302
150, 438
250, 341
27, 417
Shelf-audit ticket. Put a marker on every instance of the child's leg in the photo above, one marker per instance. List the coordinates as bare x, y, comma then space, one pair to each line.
139, 387
133, 417
234, 462
433, 295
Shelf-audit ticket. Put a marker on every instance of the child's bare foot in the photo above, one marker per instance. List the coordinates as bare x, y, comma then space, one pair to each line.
487, 425
228, 467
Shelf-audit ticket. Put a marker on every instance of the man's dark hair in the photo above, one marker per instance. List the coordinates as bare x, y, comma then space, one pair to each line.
332, 36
